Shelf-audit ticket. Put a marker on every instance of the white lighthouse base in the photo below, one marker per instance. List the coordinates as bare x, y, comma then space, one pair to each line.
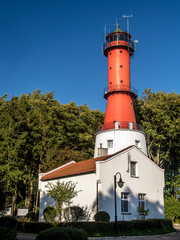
114, 140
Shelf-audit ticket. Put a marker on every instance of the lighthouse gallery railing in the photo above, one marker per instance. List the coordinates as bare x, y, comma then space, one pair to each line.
120, 125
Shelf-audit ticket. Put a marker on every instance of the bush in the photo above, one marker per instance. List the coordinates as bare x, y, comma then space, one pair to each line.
9, 222
53, 233
76, 213
75, 233
7, 233
62, 233
32, 216
142, 212
102, 216
49, 213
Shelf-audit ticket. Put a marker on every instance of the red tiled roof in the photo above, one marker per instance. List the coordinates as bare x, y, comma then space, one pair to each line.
74, 168
77, 168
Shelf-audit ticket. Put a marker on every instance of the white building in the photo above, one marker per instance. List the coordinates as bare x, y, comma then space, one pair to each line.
144, 182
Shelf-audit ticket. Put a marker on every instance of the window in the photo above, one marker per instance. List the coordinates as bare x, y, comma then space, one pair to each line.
138, 144
124, 202
141, 198
133, 169
110, 143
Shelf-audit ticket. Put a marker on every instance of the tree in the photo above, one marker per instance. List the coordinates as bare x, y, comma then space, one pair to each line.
76, 213
143, 212
160, 116
37, 133
172, 207
62, 193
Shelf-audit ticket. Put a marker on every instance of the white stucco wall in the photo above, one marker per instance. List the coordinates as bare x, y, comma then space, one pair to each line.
122, 138
149, 181
86, 185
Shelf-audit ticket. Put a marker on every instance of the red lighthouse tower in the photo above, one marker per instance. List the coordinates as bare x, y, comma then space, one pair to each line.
118, 48
120, 129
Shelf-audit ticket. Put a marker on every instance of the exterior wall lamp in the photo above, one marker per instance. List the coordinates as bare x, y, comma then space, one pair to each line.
120, 183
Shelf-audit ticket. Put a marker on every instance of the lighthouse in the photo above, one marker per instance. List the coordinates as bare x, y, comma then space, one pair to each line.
120, 129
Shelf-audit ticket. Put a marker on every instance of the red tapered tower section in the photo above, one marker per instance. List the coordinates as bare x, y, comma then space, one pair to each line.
118, 48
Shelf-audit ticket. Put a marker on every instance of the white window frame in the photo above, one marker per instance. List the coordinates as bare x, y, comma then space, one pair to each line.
142, 201
125, 203
133, 172
110, 143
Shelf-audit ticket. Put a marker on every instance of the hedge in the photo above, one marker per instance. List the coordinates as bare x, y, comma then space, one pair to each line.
98, 227
33, 227
9, 222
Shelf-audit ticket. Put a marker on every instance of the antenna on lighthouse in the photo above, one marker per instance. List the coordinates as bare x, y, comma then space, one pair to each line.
105, 32
124, 16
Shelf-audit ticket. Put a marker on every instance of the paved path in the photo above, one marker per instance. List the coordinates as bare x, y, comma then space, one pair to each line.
171, 236
23, 236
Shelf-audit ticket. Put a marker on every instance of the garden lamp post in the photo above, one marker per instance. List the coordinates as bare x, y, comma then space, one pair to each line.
120, 184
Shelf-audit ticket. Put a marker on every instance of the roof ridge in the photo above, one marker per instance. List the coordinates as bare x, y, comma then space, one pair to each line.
78, 167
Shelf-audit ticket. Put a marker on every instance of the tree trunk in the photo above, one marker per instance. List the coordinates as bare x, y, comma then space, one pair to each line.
59, 210
14, 197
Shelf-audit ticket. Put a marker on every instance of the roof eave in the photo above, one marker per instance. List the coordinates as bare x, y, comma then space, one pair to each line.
68, 175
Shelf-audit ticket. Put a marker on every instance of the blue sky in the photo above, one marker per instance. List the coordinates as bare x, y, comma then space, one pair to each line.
56, 45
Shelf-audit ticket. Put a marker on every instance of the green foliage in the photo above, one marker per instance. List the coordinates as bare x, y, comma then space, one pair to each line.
37, 133
102, 216
160, 117
33, 227
32, 216
63, 233
7, 233
8, 227
53, 233
76, 213
62, 193
135, 227
172, 207
9, 222
49, 213
142, 212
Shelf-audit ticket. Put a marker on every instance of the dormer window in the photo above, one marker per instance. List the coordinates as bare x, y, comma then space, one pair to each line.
110, 143
138, 144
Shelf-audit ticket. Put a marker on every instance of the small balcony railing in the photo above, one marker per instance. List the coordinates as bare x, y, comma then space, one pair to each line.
120, 88
125, 43
120, 125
